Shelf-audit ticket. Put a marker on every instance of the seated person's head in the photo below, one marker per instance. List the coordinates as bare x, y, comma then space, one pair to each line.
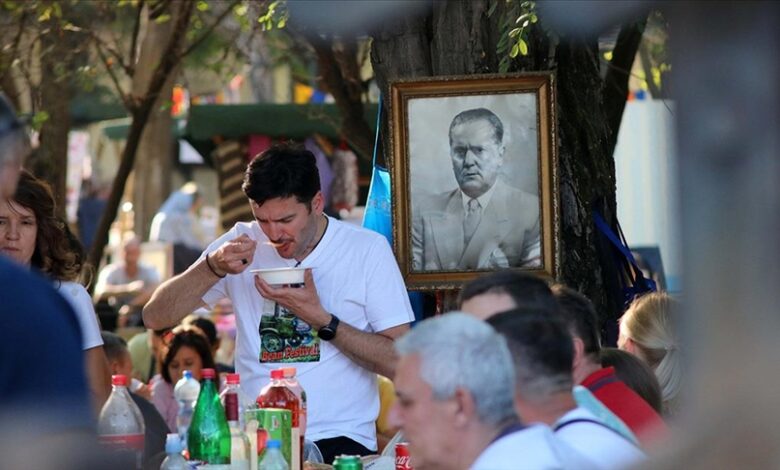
647, 330
637, 375
188, 350
207, 328
115, 348
505, 290
453, 382
580, 316
542, 353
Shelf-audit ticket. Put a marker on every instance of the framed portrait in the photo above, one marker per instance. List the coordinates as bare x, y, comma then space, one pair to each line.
474, 175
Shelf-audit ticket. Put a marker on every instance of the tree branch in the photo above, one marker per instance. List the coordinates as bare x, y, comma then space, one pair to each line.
615, 88
15, 46
134, 40
210, 29
140, 116
129, 104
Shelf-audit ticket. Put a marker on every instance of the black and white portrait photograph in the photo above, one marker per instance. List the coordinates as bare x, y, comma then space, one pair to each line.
473, 173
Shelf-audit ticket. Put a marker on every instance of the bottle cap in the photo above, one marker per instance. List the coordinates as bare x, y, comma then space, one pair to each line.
173, 444
187, 374
289, 372
277, 374
273, 444
232, 379
119, 379
208, 374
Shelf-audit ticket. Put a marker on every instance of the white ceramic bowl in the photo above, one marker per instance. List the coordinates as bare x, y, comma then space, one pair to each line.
280, 276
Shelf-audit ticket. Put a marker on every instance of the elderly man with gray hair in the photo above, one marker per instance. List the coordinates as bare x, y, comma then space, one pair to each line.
455, 387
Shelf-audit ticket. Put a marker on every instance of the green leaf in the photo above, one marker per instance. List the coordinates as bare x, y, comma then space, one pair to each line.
514, 32
164, 18
282, 21
202, 6
45, 15
240, 9
39, 119
71, 27
521, 17
525, 23
514, 51
534, 18
523, 46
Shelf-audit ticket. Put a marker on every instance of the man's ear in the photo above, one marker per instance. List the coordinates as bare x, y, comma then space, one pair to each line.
465, 407
579, 352
318, 203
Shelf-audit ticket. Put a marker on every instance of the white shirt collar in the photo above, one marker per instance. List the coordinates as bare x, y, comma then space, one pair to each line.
484, 200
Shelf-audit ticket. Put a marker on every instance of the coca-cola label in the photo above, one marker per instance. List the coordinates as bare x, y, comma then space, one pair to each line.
402, 459
123, 441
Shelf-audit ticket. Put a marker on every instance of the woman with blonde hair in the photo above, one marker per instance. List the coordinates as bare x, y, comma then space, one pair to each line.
647, 330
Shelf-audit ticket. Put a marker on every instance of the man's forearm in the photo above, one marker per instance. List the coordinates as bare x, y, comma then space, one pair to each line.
178, 296
372, 351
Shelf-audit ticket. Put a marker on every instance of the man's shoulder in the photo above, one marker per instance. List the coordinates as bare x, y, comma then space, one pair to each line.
354, 232
516, 195
536, 442
435, 202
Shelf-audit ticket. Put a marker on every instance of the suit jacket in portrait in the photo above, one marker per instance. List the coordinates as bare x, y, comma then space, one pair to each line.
507, 234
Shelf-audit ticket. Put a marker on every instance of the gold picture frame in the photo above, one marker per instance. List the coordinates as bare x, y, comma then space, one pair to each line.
473, 165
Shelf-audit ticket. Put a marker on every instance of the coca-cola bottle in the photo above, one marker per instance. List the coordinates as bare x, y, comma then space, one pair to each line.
121, 425
277, 395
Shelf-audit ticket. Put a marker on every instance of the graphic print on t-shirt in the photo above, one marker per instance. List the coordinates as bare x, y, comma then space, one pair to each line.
285, 337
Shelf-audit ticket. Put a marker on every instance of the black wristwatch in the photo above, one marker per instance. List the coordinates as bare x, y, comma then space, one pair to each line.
328, 332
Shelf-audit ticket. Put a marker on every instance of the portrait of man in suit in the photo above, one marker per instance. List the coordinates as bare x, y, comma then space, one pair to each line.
484, 222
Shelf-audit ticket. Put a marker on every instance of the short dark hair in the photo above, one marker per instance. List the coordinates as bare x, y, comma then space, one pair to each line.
190, 339
114, 346
636, 374
580, 316
208, 328
526, 290
282, 171
541, 349
471, 115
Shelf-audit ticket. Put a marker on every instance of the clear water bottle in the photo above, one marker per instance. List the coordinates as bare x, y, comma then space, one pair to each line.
186, 394
273, 458
121, 425
173, 447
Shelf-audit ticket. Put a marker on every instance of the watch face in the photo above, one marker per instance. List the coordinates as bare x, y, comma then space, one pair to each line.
326, 333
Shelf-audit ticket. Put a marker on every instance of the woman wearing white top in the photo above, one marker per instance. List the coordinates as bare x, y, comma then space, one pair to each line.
32, 234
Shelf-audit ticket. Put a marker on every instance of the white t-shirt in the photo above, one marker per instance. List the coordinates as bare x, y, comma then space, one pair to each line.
79, 299
601, 445
358, 280
532, 448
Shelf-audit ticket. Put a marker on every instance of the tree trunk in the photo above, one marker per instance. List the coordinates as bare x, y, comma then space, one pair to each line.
154, 165
50, 160
459, 38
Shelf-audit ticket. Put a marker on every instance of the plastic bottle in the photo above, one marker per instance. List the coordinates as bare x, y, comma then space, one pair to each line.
233, 383
208, 438
292, 383
239, 442
273, 458
173, 447
186, 393
277, 395
121, 425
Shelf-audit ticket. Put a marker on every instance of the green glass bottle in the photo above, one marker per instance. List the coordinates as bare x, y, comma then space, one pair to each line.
208, 439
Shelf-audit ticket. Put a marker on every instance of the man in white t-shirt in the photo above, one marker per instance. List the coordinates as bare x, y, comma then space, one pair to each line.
542, 350
337, 329
455, 389
127, 285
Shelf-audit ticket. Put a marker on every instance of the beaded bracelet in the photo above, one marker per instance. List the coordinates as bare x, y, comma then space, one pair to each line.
208, 263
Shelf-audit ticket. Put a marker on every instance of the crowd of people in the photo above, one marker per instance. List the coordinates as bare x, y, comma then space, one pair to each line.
516, 378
